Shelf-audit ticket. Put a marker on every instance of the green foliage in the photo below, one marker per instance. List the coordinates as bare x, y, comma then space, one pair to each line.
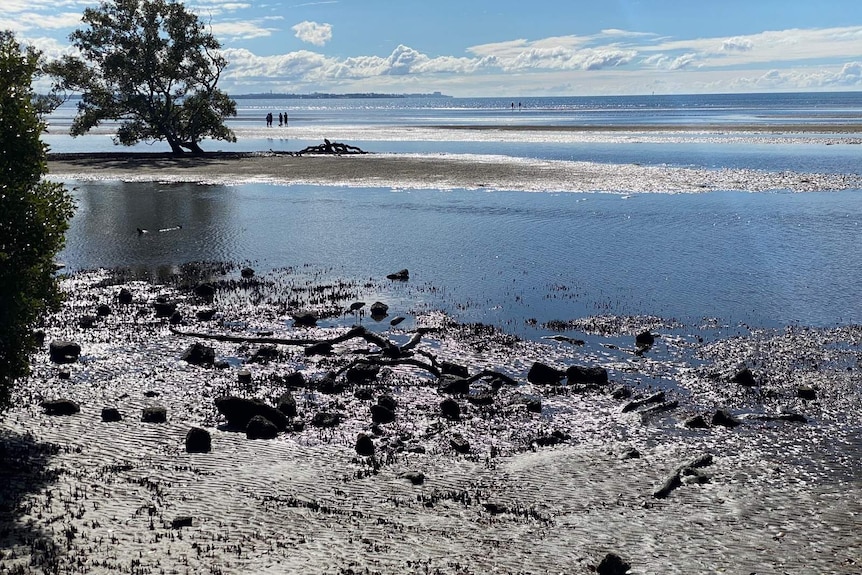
151, 65
34, 215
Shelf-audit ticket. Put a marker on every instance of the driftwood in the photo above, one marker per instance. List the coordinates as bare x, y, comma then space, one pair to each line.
674, 480
328, 147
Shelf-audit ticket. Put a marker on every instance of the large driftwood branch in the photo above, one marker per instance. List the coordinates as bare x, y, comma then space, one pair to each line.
387, 347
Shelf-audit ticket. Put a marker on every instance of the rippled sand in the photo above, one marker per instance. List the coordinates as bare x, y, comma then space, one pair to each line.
781, 497
437, 172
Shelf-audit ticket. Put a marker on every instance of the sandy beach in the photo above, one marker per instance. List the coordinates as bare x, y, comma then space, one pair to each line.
549, 491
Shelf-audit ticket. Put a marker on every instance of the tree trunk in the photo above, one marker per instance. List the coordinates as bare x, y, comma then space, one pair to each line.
193, 147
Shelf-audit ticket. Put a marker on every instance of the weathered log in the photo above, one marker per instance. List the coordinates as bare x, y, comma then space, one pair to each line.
674, 480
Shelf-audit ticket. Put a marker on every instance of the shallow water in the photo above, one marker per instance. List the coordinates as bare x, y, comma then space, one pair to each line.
764, 259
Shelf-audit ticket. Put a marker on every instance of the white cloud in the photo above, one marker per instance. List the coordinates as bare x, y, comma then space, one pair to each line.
313, 33
239, 30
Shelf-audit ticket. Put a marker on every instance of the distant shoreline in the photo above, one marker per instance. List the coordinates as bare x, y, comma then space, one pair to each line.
813, 128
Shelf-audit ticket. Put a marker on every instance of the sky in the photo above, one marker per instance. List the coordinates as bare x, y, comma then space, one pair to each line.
509, 48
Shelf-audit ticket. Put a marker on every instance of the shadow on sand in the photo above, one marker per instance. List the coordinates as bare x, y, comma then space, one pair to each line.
25, 472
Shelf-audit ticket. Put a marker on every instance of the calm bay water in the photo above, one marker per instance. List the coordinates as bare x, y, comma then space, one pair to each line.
765, 259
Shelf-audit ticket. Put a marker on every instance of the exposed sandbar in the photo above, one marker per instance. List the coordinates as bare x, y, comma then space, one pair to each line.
433, 172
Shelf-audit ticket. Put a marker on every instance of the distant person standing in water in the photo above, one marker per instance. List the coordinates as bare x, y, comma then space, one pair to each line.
285, 119
280, 119
269, 120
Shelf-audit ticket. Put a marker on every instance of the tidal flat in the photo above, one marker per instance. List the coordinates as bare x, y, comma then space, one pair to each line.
699, 451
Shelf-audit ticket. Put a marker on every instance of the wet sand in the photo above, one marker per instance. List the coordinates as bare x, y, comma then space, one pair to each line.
434, 172
98, 497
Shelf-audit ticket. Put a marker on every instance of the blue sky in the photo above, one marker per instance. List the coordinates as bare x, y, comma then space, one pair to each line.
510, 47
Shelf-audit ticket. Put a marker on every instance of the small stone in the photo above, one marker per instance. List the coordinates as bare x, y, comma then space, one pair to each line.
534, 405
124, 296
181, 521
450, 409
324, 419
176, 318
64, 373
382, 414
630, 453
613, 564
260, 427
364, 445
154, 414
111, 415
246, 273
205, 314
103, 310
60, 407
415, 477
696, 422
543, 374
287, 404
807, 393
198, 440
744, 377
459, 444
396, 320
724, 418
402, 275
243, 376
644, 339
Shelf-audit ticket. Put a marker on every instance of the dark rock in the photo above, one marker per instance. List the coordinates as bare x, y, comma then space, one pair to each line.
362, 373
259, 427
199, 354
459, 444
111, 415
151, 393
388, 402
586, 375
324, 419
87, 321
264, 354
124, 296
364, 445
62, 351
60, 407
453, 384
744, 377
246, 273
103, 310
480, 398
402, 275
295, 380
176, 318
239, 411
164, 308
534, 405
634, 404
287, 404
613, 564
39, 337
221, 364
379, 310
64, 373
553, 438
675, 479
154, 414
630, 453
364, 394
320, 348
644, 339
382, 414
724, 418
621, 392
450, 409
396, 320
205, 291
181, 521
449, 368
696, 422
243, 376
198, 440
543, 374
330, 384
205, 314
495, 508
415, 477
807, 393
305, 319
